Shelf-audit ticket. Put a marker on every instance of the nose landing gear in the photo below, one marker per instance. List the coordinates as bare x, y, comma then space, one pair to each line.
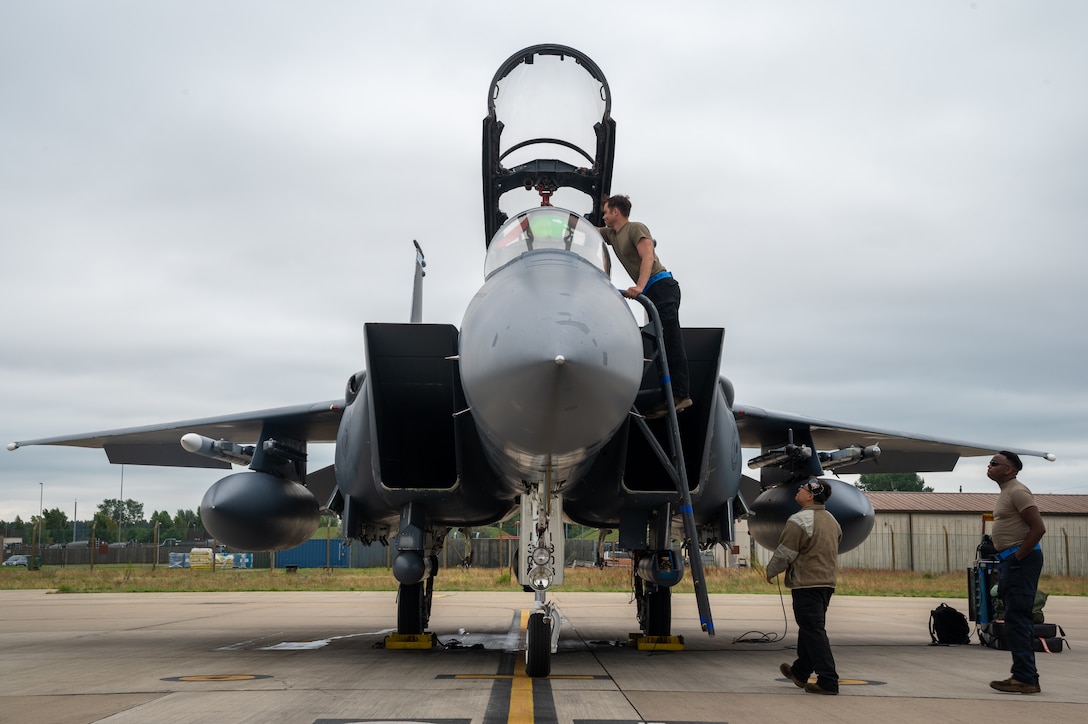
540, 566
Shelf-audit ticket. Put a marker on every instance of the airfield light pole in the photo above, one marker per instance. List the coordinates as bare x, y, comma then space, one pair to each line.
75, 519
121, 508
41, 508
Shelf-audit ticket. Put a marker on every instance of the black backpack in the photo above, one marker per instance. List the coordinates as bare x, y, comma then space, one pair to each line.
948, 627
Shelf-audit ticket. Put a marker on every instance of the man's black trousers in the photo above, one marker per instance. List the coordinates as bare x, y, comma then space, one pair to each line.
813, 648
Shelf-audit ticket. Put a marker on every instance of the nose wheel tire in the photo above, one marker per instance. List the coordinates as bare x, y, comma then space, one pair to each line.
538, 646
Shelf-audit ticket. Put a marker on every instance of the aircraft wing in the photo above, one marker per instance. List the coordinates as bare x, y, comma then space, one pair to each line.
901, 452
160, 444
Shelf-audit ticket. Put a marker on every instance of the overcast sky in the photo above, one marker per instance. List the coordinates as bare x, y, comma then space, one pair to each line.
884, 204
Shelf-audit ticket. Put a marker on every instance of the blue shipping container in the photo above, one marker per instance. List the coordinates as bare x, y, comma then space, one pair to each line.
316, 554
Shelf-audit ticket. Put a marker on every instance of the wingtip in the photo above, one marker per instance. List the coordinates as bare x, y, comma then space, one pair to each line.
1050, 456
13, 446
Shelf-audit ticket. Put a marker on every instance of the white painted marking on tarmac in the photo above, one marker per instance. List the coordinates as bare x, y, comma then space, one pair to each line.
318, 643
240, 646
512, 639
298, 645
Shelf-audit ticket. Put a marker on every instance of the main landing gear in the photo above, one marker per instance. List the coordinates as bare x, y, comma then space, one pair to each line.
654, 574
414, 567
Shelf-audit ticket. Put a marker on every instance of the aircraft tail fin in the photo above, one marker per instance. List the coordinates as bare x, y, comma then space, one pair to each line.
417, 286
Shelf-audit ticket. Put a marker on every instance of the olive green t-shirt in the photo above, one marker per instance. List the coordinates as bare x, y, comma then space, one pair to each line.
625, 243
1010, 528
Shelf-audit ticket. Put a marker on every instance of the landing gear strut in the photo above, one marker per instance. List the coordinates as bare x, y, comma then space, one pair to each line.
540, 566
415, 567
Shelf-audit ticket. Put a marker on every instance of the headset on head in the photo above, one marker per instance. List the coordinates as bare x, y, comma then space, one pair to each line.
817, 488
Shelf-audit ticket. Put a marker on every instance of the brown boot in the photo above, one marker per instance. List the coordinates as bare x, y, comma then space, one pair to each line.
787, 671
1012, 686
813, 688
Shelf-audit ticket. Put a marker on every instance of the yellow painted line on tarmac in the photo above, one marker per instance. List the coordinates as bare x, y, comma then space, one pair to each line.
490, 677
521, 686
521, 704
846, 682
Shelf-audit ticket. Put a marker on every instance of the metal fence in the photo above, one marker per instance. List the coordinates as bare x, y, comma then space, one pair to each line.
926, 543
480, 553
321, 553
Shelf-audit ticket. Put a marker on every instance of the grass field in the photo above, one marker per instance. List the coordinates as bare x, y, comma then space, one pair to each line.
135, 579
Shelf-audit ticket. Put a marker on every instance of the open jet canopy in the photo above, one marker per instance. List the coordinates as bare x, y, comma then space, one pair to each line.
548, 128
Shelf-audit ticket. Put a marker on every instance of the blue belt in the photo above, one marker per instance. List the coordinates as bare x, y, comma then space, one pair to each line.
656, 277
1002, 555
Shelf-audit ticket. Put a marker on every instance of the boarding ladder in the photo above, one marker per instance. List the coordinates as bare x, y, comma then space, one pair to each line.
673, 462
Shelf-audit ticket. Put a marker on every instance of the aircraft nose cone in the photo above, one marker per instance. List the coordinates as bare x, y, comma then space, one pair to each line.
551, 357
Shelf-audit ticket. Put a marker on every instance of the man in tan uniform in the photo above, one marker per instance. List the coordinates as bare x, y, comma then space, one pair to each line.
808, 551
1018, 528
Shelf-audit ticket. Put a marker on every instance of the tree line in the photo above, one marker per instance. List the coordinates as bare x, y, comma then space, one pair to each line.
114, 521
123, 520
898, 482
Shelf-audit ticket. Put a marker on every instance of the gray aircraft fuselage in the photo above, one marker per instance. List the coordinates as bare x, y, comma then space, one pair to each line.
550, 356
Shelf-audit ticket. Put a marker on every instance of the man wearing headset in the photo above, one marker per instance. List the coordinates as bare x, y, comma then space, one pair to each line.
808, 552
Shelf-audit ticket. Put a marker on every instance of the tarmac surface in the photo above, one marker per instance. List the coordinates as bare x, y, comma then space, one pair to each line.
317, 658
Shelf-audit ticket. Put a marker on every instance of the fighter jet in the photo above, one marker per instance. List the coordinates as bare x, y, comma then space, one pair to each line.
533, 406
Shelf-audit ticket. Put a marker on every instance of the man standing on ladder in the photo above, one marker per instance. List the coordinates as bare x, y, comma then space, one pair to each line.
634, 248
